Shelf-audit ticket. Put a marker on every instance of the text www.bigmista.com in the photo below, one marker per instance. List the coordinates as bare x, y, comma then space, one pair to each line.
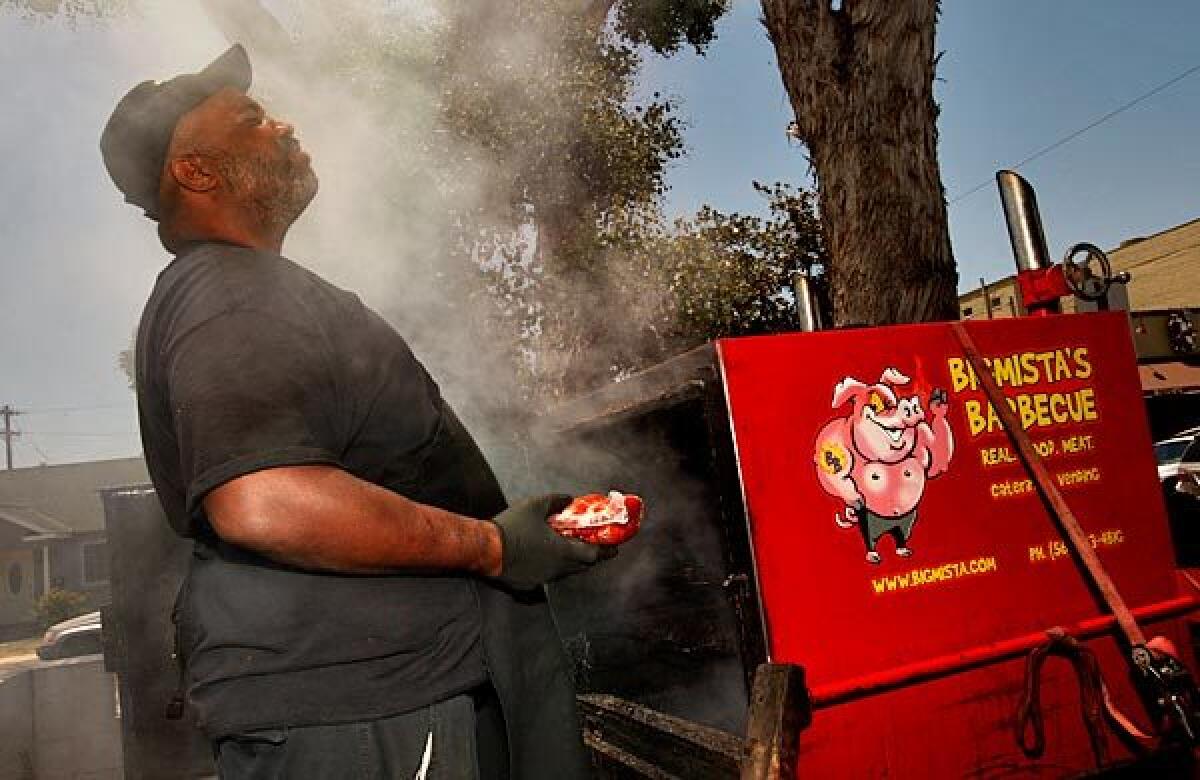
932, 575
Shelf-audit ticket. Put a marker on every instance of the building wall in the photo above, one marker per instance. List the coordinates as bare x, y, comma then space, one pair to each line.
16, 727
67, 567
1002, 296
18, 582
11, 535
1163, 268
60, 721
23, 579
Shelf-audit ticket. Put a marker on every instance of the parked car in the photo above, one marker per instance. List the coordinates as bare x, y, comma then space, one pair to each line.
70, 638
1178, 459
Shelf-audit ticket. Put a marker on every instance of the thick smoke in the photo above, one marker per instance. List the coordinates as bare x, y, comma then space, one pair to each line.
410, 206
394, 181
361, 82
361, 86
393, 184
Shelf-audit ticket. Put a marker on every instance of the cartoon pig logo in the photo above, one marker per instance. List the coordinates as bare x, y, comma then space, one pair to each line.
877, 459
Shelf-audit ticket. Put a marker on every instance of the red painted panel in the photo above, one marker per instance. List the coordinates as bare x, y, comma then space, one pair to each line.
962, 726
892, 524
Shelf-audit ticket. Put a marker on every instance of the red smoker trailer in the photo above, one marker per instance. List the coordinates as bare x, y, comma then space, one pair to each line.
846, 504
750, 615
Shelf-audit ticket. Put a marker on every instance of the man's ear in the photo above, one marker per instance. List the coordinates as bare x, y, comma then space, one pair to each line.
195, 173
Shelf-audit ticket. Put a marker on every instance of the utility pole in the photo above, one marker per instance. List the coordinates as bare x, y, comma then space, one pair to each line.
9, 434
987, 296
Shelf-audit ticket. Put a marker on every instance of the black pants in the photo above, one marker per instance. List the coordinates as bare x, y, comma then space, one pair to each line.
458, 739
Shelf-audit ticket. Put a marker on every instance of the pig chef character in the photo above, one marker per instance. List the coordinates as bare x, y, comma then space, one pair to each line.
877, 459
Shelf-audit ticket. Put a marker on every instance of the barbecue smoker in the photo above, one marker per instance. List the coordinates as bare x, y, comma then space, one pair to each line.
893, 646
804, 601
855, 561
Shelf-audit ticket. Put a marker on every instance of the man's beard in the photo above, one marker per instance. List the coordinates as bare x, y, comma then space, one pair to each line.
277, 190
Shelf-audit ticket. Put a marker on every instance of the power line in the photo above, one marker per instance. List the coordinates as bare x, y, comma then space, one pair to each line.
33, 443
56, 409
81, 433
1072, 136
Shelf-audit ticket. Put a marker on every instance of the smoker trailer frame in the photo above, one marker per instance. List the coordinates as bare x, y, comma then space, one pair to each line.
642, 722
667, 640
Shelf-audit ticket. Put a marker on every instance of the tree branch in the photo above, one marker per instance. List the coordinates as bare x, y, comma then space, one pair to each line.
597, 13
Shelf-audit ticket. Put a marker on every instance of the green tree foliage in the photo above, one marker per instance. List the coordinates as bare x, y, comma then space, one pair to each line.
69, 9
57, 605
656, 289
596, 284
733, 274
579, 174
567, 149
665, 25
127, 362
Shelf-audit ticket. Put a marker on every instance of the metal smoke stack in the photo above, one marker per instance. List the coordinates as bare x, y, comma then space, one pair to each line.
1024, 222
808, 307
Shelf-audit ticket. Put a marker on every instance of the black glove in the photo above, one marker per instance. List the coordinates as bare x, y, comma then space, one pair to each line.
534, 553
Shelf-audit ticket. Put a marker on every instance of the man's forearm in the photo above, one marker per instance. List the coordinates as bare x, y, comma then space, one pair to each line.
321, 517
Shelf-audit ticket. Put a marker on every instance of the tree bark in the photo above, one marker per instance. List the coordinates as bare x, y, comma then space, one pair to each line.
860, 80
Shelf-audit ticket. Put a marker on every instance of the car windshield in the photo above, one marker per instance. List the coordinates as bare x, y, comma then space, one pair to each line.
1170, 451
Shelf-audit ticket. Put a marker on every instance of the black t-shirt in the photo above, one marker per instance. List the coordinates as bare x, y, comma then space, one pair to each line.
247, 361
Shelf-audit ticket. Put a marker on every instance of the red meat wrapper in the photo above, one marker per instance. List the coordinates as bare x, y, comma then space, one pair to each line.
599, 519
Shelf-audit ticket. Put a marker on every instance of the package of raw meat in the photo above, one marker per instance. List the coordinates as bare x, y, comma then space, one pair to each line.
598, 519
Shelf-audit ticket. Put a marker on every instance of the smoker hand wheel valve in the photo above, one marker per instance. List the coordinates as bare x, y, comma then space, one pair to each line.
1081, 278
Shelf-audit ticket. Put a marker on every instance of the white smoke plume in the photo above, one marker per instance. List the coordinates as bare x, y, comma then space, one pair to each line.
357, 79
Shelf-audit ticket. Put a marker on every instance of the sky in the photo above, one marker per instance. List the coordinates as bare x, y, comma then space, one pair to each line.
1016, 76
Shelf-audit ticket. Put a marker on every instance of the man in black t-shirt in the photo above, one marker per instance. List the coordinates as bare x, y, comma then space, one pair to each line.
360, 601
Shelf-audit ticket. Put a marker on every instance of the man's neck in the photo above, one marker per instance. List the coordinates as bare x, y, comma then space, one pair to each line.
225, 230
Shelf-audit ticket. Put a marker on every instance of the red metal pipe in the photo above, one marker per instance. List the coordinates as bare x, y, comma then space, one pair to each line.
981, 655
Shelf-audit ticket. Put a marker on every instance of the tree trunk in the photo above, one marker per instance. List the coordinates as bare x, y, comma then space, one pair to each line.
860, 80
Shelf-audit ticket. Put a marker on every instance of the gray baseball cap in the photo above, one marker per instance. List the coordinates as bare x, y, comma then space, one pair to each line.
135, 139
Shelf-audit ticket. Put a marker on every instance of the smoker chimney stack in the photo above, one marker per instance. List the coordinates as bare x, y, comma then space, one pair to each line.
808, 307
1024, 222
